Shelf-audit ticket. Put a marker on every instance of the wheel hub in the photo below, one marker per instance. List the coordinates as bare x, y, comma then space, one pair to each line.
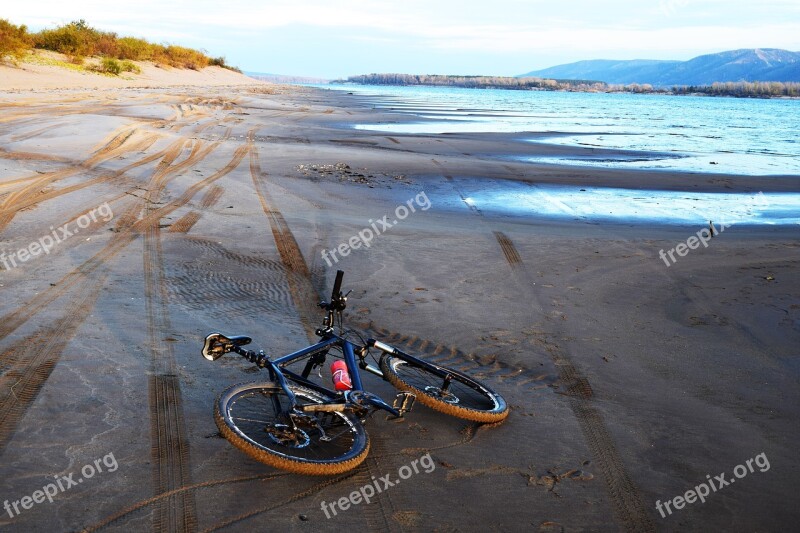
445, 396
287, 436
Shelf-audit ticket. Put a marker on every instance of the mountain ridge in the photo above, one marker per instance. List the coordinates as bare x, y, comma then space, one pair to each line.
747, 64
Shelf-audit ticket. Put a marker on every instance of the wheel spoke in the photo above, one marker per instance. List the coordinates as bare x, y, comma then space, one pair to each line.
251, 413
250, 420
453, 388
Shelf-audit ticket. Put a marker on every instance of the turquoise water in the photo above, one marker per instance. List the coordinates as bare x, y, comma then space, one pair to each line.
740, 136
689, 133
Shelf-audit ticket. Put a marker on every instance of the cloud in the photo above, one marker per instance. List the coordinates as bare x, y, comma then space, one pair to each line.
413, 30
533, 39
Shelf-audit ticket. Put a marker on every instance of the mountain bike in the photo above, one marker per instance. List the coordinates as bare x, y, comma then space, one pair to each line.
296, 424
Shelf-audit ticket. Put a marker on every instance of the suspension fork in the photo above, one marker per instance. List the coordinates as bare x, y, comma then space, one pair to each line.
391, 350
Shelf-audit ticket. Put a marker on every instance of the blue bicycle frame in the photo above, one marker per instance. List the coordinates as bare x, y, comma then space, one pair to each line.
216, 345
279, 373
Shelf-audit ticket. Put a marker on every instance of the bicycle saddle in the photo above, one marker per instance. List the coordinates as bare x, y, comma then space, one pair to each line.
217, 345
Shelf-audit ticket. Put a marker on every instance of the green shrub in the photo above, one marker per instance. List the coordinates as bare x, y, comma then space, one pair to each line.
134, 49
75, 39
158, 54
106, 44
220, 62
78, 40
110, 66
180, 57
14, 40
129, 66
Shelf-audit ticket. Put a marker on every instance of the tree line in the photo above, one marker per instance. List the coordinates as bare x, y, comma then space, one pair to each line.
476, 82
744, 89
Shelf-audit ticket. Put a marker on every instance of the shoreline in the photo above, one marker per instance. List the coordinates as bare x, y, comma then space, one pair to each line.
446, 112
518, 145
654, 91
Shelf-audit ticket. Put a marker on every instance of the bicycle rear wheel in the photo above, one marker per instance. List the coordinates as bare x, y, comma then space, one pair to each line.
322, 444
461, 396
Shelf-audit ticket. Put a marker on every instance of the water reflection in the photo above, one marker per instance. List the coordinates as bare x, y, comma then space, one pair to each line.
666, 207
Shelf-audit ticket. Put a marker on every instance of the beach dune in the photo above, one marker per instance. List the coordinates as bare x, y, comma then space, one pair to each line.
50, 70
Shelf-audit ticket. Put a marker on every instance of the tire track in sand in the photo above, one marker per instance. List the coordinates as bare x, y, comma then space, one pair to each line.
120, 142
28, 364
305, 298
25, 369
468, 433
187, 221
509, 250
129, 227
297, 272
124, 234
487, 366
170, 441
33, 375
34, 192
626, 500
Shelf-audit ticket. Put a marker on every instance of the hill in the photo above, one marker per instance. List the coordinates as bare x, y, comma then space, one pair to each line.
43, 69
760, 64
76, 55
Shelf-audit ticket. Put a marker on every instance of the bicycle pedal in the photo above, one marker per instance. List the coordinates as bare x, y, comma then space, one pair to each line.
404, 401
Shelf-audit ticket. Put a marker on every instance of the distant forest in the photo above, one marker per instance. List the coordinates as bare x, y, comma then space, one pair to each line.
742, 89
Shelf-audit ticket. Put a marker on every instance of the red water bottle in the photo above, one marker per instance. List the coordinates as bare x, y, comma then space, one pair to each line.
341, 377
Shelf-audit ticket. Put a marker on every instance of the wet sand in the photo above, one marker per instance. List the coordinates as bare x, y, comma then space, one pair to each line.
629, 381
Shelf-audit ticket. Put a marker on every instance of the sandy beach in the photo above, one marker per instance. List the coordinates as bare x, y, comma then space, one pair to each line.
205, 208
44, 70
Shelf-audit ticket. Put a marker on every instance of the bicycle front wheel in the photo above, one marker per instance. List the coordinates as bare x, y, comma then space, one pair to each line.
458, 395
321, 443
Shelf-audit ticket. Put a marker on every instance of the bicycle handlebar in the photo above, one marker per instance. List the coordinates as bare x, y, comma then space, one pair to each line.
337, 285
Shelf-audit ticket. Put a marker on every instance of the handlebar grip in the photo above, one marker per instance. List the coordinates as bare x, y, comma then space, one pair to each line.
337, 285
391, 350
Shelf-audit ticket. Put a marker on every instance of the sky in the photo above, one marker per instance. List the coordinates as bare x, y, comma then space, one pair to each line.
338, 38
